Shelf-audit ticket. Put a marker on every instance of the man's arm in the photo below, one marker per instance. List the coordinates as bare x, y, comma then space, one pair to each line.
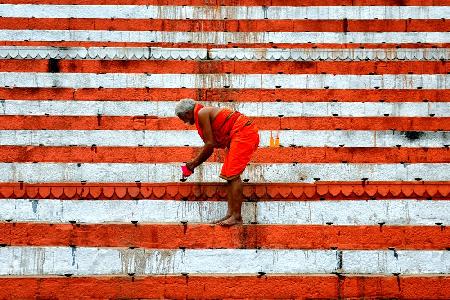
207, 149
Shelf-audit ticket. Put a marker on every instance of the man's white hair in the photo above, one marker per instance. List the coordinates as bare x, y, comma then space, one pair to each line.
184, 106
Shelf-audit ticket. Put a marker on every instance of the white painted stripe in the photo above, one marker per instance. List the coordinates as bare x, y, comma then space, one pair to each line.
403, 262
224, 12
255, 81
209, 172
302, 54
113, 261
363, 212
119, 261
223, 37
179, 138
251, 109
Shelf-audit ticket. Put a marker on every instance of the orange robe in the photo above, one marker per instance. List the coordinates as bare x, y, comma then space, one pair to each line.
235, 132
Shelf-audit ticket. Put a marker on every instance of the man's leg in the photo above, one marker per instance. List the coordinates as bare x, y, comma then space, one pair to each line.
242, 146
235, 203
229, 204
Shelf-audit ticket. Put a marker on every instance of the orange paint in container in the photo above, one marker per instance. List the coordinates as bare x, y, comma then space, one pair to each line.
186, 172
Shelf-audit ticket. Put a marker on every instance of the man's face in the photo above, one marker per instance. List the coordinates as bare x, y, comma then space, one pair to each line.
188, 118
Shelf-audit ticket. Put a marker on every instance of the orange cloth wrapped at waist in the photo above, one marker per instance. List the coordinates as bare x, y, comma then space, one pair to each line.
244, 142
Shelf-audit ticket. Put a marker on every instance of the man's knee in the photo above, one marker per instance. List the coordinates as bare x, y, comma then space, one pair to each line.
234, 180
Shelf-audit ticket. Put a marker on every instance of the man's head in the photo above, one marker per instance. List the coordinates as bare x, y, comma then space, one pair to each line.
185, 110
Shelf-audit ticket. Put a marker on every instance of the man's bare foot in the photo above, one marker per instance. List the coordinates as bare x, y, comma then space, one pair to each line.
222, 219
232, 220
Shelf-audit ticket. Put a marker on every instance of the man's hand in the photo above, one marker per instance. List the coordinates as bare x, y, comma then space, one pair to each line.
190, 165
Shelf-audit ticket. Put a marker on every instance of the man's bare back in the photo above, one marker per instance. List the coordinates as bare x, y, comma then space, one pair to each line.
212, 111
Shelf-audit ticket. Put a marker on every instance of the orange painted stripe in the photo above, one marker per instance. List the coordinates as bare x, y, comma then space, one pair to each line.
228, 287
413, 25
239, 237
234, 67
98, 154
217, 191
88, 44
223, 95
241, 2
27, 122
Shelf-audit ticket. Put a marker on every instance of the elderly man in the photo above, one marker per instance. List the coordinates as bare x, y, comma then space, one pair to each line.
222, 128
